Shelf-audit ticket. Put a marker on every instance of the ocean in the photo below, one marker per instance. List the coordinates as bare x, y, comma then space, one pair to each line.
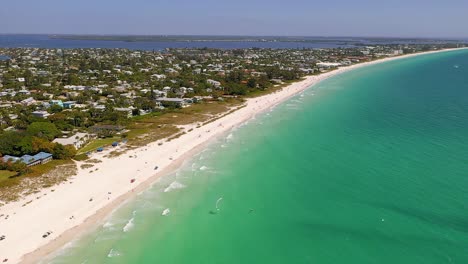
370, 166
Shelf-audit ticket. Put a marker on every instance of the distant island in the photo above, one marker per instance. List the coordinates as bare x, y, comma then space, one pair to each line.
201, 38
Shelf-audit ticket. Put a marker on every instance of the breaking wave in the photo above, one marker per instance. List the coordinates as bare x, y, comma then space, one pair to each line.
113, 253
174, 186
130, 223
166, 212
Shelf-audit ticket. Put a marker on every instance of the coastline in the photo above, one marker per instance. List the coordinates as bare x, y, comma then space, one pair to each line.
52, 211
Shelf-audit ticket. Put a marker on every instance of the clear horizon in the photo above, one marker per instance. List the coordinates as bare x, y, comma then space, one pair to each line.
360, 18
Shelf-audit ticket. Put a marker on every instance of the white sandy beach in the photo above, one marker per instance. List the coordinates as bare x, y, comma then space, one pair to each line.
26, 225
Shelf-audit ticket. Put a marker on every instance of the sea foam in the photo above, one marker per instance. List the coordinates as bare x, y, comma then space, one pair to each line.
107, 225
113, 253
175, 185
166, 212
129, 225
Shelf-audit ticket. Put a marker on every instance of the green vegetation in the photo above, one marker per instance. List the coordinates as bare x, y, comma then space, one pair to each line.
5, 175
97, 143
38, 177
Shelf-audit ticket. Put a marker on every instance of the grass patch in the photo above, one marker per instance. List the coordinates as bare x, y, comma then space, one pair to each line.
39, 170
150, 128
86, 166
38, 177
270, 90
97, 143
94, 161
81, 157
5, 175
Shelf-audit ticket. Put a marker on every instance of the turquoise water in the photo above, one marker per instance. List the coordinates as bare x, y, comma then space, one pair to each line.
367, 167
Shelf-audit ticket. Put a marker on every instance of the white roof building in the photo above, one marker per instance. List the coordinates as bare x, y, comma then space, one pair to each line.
77, 140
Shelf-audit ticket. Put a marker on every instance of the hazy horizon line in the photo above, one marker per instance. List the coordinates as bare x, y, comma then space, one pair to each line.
237, 35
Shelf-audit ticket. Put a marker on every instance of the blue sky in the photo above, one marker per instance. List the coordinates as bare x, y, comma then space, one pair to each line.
410, 18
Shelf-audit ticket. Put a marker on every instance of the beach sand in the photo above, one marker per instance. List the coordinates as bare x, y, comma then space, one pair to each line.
74, 207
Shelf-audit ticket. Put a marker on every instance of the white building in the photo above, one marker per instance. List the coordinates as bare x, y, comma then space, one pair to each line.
78, 140
328, 64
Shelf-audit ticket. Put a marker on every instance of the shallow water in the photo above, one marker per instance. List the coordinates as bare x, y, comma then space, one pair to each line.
366, 167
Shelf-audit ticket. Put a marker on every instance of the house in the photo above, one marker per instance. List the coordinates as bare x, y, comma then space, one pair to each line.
328, 65
159, 76
28, 101
171, 71
69, 104
77, 140
127, 111
29, 160
307, 70
8, 158
56, 102
48, 95
39, 158
24, 92
214, 83
40, 114
72, 94
179, 102
6, 105
100, 107
42, 73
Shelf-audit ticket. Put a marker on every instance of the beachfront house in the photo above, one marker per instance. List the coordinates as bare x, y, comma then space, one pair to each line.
39, 158
178, 102
328, 65
78, 140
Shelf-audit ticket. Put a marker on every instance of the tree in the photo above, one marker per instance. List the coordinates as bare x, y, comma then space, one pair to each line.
63, 152
43, 130
9, 141
40, 144
252, 83
25, 145
17, 166
55, 109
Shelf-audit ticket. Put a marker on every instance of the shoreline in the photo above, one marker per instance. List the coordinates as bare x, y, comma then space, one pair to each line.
96, 194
